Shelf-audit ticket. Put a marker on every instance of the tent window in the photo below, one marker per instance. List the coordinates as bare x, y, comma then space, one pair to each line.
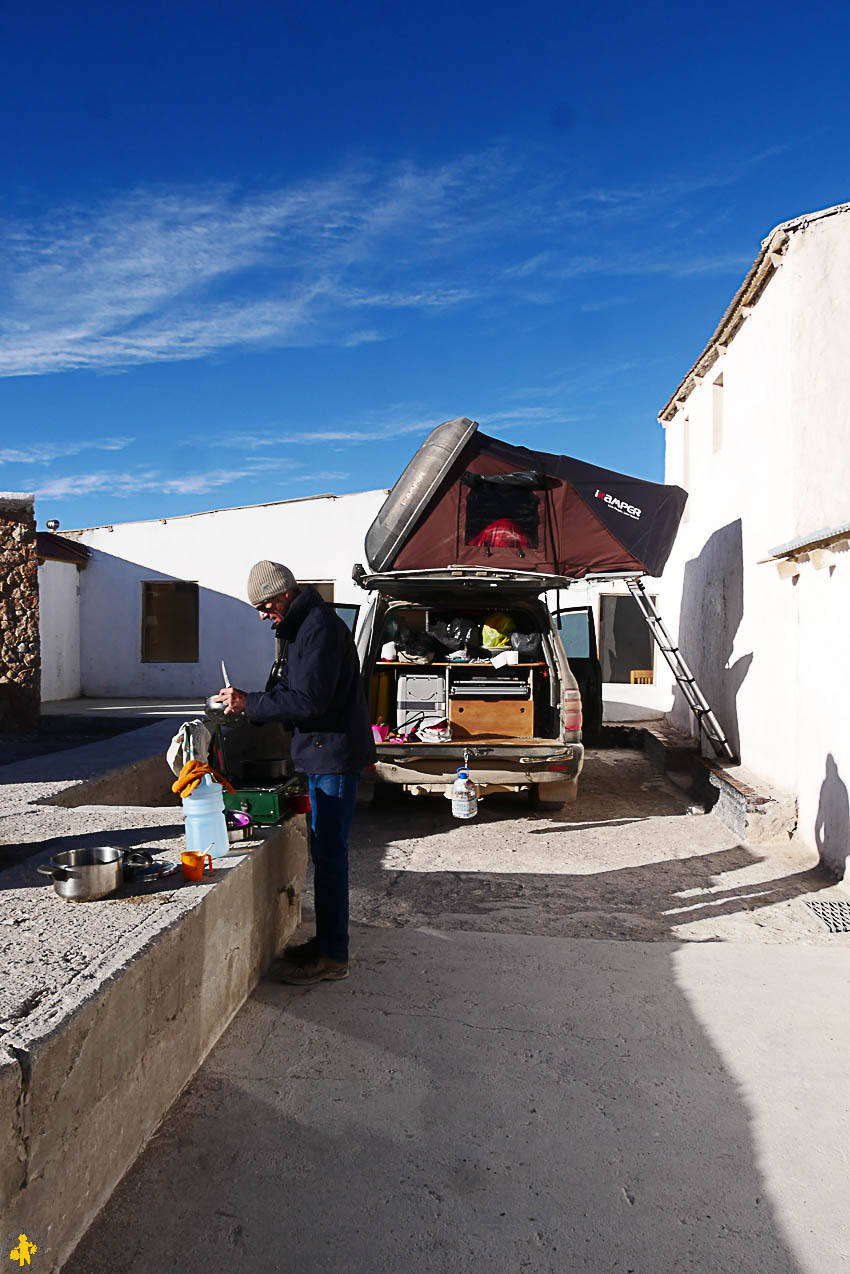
502, 511
169, 622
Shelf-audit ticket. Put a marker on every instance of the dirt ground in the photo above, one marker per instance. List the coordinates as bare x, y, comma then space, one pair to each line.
626, 861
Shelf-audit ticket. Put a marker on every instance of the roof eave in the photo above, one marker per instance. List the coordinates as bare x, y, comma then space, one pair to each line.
762, 270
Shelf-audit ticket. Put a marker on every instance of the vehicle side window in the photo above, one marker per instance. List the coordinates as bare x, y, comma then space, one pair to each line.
364, 636
347, 613
574, 630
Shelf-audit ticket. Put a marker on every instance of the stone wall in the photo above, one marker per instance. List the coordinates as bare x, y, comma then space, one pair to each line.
20, 660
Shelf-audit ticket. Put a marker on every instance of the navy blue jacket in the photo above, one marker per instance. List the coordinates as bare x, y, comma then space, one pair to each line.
319, 696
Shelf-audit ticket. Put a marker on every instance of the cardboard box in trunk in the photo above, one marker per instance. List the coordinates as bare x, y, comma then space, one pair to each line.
505, 718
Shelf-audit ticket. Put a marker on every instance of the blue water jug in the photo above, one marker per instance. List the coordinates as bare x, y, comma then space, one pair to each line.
206, 830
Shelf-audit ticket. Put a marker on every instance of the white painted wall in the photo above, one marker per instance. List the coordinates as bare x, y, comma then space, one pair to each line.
59, 629
318, 538
818, 268
769, 654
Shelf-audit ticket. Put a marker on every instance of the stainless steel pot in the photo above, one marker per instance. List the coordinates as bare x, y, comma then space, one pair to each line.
83, 874
214, 711
265, 770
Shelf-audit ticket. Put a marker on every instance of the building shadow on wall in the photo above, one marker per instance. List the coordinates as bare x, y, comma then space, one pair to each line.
832, 824
711, 613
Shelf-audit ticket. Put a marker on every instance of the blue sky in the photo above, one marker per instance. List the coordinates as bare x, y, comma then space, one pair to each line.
254, 251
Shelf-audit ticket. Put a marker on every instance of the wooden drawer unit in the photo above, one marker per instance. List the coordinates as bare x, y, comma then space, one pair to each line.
509, 718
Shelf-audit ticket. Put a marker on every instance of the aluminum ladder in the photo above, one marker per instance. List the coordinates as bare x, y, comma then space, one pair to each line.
694, 697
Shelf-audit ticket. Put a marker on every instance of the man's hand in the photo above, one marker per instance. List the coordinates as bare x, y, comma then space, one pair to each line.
233, 699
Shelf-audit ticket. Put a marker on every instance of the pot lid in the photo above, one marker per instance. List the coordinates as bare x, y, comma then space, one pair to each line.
400, 512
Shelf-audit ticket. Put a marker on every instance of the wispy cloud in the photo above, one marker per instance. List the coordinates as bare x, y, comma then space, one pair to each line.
133, 482
165, 275
130, 482
601, 303
48, 452
162, 275
392, 423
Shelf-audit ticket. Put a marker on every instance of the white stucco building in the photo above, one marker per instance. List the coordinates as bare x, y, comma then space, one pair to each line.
60, 566
161, 603
758, 432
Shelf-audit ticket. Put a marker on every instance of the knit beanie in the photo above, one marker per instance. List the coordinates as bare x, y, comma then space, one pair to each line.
267, 579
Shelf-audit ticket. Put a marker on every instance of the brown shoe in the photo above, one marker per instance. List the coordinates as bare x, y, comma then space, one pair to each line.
302, 952
322, 969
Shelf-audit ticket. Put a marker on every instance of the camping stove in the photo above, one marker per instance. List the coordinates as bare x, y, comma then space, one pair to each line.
264, 805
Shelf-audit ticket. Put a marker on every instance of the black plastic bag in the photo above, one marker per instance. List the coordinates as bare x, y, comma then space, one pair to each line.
448, 642
420, 647
465, 632
529, 644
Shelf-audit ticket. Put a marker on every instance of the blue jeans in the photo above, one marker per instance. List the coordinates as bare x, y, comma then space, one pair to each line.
333, 798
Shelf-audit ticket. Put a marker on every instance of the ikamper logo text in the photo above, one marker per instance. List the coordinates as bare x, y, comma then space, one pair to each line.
630, 510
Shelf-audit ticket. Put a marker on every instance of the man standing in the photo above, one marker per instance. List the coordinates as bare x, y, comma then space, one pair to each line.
319, 697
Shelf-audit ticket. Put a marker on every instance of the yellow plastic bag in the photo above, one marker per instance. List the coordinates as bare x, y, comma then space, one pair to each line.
496, 630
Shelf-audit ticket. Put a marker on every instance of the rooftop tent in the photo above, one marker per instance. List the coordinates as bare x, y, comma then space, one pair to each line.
467, 499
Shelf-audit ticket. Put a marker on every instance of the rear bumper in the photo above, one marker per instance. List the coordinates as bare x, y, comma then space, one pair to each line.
509, 767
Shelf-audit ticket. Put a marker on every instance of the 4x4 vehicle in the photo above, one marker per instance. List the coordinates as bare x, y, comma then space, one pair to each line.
518, 725
474, 534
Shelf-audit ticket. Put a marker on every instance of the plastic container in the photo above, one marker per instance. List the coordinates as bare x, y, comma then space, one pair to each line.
301, 803
464, 796
206, 830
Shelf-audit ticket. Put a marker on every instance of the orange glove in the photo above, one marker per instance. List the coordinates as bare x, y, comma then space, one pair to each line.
190, 777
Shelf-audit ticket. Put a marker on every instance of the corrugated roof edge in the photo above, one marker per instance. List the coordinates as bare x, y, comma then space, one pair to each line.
757, 278
812, 539
233, 508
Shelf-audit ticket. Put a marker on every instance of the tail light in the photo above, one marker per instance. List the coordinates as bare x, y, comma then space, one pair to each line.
572, 709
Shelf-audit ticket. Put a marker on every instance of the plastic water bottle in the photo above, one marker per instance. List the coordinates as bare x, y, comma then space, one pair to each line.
206, 830
464, 796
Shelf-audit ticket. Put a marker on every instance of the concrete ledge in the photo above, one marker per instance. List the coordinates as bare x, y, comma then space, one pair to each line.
145, 782
668, 748
107, 1008
86, 1077
12, 1148
749, 807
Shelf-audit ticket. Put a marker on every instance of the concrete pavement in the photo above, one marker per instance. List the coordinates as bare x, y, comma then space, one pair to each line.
493, 1091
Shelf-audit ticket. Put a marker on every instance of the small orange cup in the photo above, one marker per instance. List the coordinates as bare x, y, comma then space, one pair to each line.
193, 864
